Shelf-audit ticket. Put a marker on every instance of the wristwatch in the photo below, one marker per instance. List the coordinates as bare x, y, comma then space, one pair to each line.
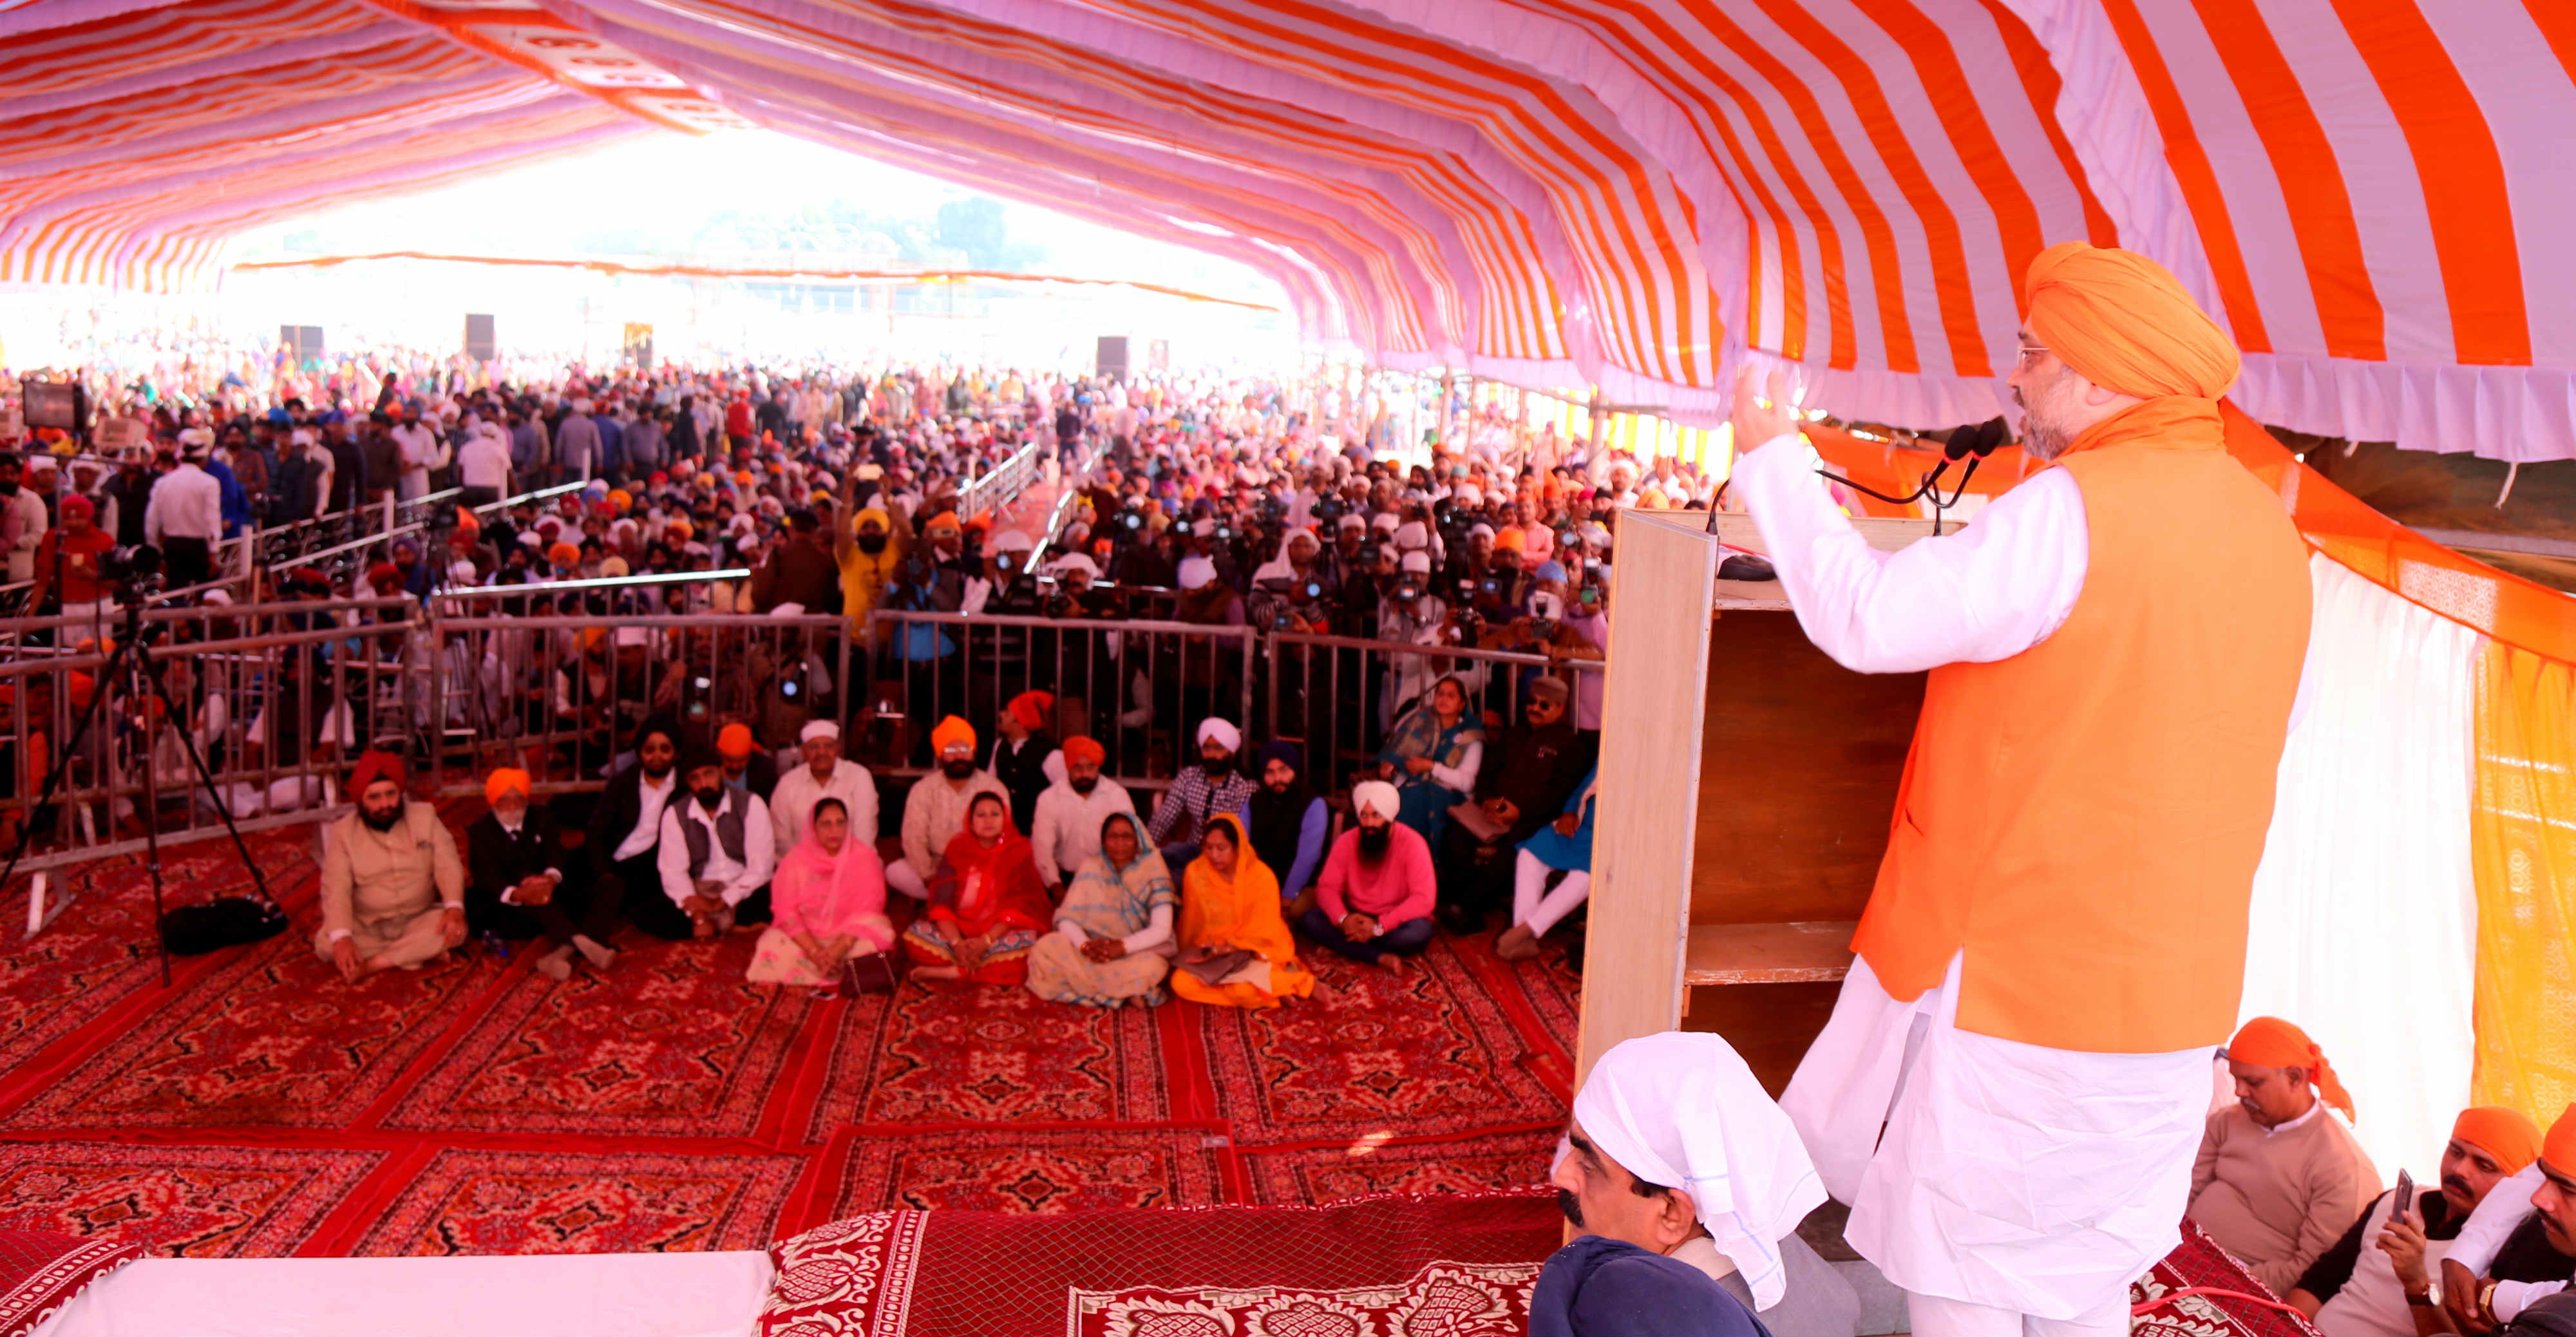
2430, 1298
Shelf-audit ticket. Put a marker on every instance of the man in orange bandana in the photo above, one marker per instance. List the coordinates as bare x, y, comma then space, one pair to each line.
2016, 1076
2495, 1270
2279, 1178
2376, 1278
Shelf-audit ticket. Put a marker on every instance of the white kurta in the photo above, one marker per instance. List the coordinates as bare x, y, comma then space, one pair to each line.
2040, 1181
2505, 1208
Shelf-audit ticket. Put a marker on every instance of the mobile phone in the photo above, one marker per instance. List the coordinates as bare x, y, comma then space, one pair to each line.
2405, 1196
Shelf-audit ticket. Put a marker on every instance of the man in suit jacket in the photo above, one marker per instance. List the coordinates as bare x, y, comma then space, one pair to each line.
625, 830
521, 882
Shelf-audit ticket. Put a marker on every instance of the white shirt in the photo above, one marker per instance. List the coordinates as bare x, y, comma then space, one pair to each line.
738, 880
419, 447
186, 503
791, 803
2505, 1208
648, 818
1065, 830
484, 461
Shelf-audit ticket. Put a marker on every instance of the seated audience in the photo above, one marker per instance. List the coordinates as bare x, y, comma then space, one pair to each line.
987, 907
1522, 784
715, 857
1020, 750
828, 903
1676, 1155
2279, 1178
1432, 757
1235, 950
1071, 812
824, 775
1374, 902
935, 811
2512, 1262
1288, 823
1562, 848
624, 839
2372, 1282
393, 893
1113, 933
522, 883
1215, 785
746, 764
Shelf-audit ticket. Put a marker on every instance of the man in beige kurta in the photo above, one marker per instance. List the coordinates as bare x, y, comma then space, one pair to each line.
393, 890
2280, 1178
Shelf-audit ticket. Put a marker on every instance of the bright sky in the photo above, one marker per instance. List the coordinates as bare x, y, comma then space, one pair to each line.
671, 185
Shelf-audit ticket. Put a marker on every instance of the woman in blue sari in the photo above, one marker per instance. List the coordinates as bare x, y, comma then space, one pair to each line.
1432, 756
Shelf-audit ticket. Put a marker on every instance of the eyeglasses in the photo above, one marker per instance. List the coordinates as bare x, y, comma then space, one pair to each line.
2030, 355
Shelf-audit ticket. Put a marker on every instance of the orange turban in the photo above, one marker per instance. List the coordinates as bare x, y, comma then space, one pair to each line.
1511, 540
1030, 709
952, 732
945, 521
2508, 1135
734, 740
2123, 322
1080, 748
504, 780
563, 554
2559, 1148
2269, 1042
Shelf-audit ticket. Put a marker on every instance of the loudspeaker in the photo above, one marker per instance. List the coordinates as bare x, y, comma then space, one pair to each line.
306, 340
478, 338
1111, 360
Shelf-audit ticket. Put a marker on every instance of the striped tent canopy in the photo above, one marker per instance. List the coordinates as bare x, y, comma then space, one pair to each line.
1634, 194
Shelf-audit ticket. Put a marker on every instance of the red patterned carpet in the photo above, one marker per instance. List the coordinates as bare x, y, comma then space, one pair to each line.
259, 1107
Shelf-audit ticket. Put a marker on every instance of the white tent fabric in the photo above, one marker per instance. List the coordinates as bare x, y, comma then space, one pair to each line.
2364, 918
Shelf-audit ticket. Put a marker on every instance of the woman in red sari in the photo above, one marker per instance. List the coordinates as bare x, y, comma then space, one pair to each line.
987, 906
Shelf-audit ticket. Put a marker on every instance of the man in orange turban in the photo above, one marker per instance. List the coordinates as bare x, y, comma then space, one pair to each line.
521, 883
2280, 1177
935, 811
1065, 831
2491, 1276
2377, 1278
1020, 751
2061, 911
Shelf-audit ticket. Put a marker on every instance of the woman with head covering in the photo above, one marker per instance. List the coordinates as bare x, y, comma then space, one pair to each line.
1432, 756
828, 897
1236, 950
987, 906
1113, 934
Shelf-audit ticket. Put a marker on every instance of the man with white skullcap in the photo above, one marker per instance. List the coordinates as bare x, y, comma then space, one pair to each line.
1373, 903
1215, 786
1676, 1153
824, 775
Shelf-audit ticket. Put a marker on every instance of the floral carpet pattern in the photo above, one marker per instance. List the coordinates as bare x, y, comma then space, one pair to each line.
259, 1107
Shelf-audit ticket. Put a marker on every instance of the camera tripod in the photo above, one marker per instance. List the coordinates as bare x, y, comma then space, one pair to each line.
130, 669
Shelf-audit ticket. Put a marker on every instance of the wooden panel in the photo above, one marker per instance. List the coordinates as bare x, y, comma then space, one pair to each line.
1643, 836
1770, 1027
1802, 952
1798, 775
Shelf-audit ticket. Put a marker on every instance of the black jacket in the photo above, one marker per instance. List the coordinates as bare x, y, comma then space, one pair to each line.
496, 861
1023, 773
620, 806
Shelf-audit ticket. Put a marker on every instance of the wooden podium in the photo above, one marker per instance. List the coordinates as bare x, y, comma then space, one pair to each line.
1747, 784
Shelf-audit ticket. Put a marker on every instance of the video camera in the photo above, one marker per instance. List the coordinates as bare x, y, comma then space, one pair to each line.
135, 571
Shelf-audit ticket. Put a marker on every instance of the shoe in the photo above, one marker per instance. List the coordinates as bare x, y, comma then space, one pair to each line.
1516, 943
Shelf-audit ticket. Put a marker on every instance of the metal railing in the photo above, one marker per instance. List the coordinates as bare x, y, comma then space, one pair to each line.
1340, 695
1002, 484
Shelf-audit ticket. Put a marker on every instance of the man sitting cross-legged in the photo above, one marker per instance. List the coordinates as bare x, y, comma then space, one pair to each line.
715, 857
393, 893
2280, 1177
1688, 1184
1375, 900
522, 883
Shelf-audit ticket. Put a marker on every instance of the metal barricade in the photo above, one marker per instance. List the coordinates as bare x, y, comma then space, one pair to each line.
276, 696
1139, 688
565, 694
1001, 486
1338, 695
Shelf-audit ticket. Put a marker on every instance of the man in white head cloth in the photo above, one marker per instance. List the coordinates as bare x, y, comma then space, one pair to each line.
1676, 1149
824, 775
1215, 785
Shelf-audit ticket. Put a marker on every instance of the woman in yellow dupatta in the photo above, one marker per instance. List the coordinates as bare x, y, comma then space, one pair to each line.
1230, 902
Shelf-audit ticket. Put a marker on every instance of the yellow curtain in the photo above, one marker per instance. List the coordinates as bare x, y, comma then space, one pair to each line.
2523, 833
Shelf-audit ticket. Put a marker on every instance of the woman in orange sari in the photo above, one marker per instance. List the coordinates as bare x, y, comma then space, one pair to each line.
987, 906
1235, 947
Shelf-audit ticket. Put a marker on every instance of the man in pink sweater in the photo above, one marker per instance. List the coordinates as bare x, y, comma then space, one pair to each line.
1373, 903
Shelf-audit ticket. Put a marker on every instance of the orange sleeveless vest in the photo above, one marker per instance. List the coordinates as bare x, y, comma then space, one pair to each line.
2083, 819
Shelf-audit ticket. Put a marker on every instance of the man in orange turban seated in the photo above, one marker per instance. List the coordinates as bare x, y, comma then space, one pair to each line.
2280, 1177
935, 811
2378, 1278
2014, 1080
2514, 1257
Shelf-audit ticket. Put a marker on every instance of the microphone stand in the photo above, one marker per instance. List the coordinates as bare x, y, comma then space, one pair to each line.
1972, 444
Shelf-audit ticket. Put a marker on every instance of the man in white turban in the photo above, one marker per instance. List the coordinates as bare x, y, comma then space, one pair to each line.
1373, 902
1676, 1149
1212, 788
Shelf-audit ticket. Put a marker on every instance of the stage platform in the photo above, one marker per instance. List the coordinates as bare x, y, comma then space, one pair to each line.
259, 1107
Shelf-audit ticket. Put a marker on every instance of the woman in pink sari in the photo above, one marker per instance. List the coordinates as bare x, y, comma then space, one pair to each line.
829, 898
